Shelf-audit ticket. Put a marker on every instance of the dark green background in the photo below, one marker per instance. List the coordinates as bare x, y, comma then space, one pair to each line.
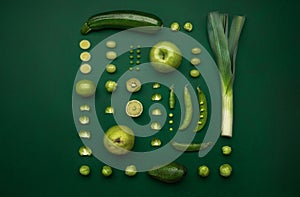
39, 61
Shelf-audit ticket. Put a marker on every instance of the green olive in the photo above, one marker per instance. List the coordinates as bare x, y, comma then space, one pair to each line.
84, 170
85, 88
111, 86
194, 73
111, 68
226, 150
106, 171
225, 170
130, 170
203, 171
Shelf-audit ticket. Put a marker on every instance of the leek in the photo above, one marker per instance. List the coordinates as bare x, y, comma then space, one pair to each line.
224, 46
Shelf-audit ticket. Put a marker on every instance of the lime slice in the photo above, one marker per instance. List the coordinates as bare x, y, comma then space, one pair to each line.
85, 56
84, 44
85, 68
134, 108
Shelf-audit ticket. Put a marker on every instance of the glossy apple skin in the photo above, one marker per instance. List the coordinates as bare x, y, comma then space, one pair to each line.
119, 140
165, 57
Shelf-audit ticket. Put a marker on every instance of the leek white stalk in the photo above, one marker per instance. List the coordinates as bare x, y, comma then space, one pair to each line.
225, 47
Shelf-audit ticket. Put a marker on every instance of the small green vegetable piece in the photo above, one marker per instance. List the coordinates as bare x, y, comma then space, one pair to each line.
130, 170
85, 88
188, 112
196, 51
84, 134
156, 85
85, 108
226, 150
194, 73
203, 171
84, 120
170, 173
111, 55
111, 86
156, 97
109, 110
85, 151
225, 170
195, 61
111, 68
191, 147
175, 26
111, 44
84, 170
171, 98
155, 142
188, 26
155, 126
156, 112
106, 171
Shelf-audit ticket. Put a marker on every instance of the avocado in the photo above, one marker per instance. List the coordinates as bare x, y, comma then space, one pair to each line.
170, 173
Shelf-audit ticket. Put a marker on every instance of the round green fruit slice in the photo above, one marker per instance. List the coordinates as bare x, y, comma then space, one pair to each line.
133, 85
134, 108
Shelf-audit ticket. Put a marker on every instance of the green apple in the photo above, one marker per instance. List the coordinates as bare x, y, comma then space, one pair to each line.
119, 139
165, 57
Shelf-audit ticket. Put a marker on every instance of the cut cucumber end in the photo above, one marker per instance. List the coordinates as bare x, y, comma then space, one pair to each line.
85, 29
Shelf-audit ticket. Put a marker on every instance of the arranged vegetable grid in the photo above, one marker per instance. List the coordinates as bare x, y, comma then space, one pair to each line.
119, 139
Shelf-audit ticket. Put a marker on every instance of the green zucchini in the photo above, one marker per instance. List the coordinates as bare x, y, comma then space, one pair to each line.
170, 173
123, 19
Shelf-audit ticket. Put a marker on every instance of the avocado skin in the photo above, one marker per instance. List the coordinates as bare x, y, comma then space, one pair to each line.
171, 173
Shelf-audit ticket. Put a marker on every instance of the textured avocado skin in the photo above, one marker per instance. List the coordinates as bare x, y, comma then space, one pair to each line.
170, 173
